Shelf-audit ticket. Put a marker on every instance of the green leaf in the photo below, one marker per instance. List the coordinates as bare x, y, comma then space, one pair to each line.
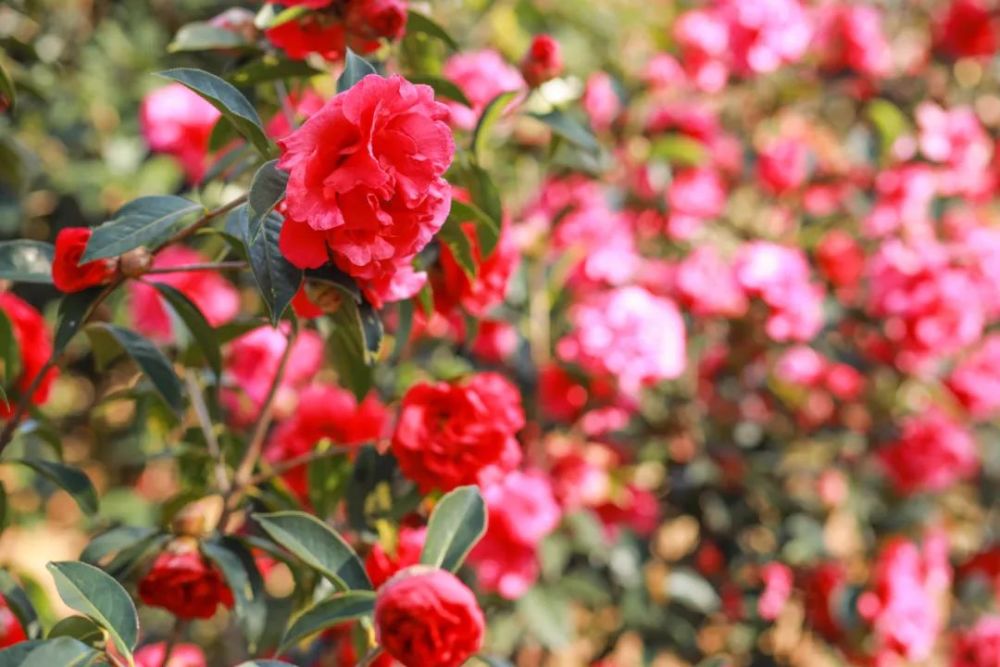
271, 68
7, 88
679, 150
10, 350
318, 546
457, 523
201, 330
266, 189
26, 261
491, 114
93, 593
452, 235
146, 221
546, 616
62, 651
355, 69
73, 481
203, 36
442, 88
277, 279
245, 582
271, 16
889, 121
487, 229
153, 363
349, 348
420, 23
569, 129
228, 100
113, 541
327, 613
486, 197
72, 311
20, 604
78, 627
15, 655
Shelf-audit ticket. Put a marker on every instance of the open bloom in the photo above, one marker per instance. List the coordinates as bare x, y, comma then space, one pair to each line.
67, 272
185, 583
481, 76
365, 184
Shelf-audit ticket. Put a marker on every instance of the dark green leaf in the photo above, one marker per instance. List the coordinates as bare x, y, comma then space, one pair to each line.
62, 651
277, 279
332, 611
78, 627
7, 88
404, 327
72, 310
569, 129
442, 88
113, 541
491, 114
547, 617
457, 523
203, 36
419, 23
452, 235
70, 479
327, 478
15, 655
348, 349
486, 197
228, 100
146, 221
153, 363
266, 189
318, 546
355, 69
201, 330
272, 68
245, 582
93, 593
487, 230
26, 261
10, 351
19, 603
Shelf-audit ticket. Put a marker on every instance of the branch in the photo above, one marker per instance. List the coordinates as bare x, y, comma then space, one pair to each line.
282, 467
206, 266
205, 422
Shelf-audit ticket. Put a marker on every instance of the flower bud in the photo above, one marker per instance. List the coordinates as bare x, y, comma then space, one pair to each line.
198, 518
543, 61
135, 263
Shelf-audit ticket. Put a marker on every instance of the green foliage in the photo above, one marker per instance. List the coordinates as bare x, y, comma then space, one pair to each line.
147, 222
457, 523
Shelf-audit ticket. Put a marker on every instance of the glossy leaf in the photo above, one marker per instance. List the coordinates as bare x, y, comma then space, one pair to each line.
318, 546
146, 222
153, 363
228, 100
416, 22
491, 114
113, 541
326, 614
452, 235
271, 68
568, 128
95, 594
62, 651
20, 605
194, 319
349, 348
355, 69
72, 480
277, 279
78, 627
73, 310
487, 229
244, 580
457, 523
203, 36
26, 261
266, 189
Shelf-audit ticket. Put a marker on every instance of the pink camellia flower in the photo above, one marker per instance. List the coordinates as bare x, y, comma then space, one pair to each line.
543, 61
783, 165
628, 333
251, 363
904, 196
605, 242
601, 101
979, 646
703, 36
766, 34
931, 453
851, 37
976, 379
801, 365
967, 29
481, 76
840, 258
956, 138
663, 72
177, 121
778, 581
371, 210
706, 284
381, 565
694, 196
779, 275
522, 511
428, 618
183, 655
215, 296
325, 412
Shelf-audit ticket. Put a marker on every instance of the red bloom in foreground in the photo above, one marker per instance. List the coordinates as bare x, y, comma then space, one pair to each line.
543, 61
184, 583
67, 272
35, 346
365, 179
448, 433
428, 618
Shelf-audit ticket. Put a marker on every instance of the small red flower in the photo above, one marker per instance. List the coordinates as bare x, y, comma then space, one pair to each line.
428, 618
35, 345
11, 631
543, 61
67, 272
184, 583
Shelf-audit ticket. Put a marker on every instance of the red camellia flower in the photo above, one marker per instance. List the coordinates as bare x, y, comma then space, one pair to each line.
11, 631
365, 180
448, 433
967, 30
184, 583
381, 564
67, 272
488, 287
368, 21
311, 33
543, 61
979, 646
932, 453
35, 346
428, 618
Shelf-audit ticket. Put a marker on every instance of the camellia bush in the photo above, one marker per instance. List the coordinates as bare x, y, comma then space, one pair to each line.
540, 333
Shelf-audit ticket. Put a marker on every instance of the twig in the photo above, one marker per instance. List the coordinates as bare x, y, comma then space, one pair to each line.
282, 467
205, 422
205, 266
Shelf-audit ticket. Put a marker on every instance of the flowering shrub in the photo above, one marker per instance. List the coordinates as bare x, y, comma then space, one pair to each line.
376, 332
